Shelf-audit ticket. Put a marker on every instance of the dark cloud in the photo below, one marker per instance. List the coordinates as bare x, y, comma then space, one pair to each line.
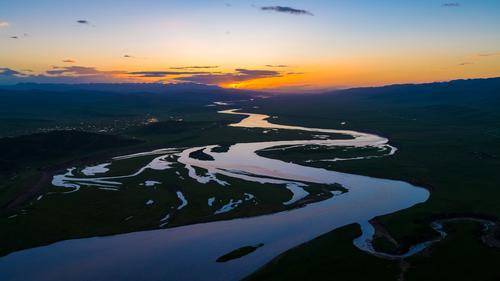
10, 72
83, 21
84, 73
19, 37
56, 72
252, 72
288, 10
195, 67
65, 79
209, 76
164, 73
465, 63
210, 79
239, 75
73, 70
68, 61
128, 56
276, 65
451, 5
69, 74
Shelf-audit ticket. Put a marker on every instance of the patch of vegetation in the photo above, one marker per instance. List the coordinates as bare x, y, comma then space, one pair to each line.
25, 158
37, 148
166, 127
330, 256
200, 155
461, 256
221, 148
238, 253
314, 153
382, 244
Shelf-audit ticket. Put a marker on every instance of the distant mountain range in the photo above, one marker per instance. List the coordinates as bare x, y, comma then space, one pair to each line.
478, 91
451, 91
180, 88
433, 86
154, 88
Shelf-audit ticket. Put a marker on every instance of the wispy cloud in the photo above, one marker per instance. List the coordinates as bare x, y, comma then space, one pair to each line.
252, 72
488, 54
195, 67
277, 65
239, 75
451, 5
89, 74
289, 10
68, 61
69, 74
159, 74
81, 71
73, 70
24, 35
3, 24
465, 63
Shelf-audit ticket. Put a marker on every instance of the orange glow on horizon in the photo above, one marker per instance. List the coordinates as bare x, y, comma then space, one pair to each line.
309, 76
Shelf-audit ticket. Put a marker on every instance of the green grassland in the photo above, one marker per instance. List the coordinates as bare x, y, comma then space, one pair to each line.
461, 256
314, 155
329, 257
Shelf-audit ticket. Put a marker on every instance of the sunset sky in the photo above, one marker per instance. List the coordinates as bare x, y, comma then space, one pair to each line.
289, 46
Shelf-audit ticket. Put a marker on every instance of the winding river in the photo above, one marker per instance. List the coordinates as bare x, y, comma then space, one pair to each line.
190, 252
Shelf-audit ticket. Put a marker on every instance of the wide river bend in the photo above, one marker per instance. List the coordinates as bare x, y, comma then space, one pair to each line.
190, 252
